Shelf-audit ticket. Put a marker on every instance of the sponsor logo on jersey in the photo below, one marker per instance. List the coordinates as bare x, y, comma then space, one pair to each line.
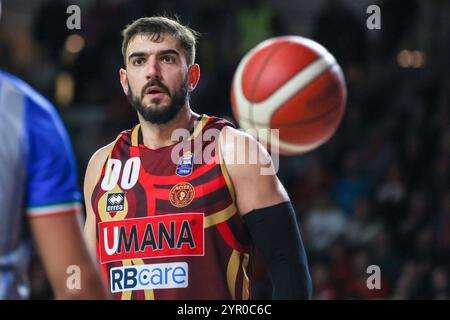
149, 276
115, 202
185, 165
152, 237
181, 194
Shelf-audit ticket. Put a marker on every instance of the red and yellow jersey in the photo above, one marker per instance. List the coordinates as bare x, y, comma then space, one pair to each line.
167, 223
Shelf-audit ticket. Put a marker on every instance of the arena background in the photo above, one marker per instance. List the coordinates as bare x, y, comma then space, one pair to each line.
376, 194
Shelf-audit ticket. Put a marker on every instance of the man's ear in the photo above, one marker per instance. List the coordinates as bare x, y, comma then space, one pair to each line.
124, 80
194, 76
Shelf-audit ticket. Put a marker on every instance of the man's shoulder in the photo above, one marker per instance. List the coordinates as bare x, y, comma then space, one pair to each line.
216, 122
101, 154
98, 159
123, 138
232, 138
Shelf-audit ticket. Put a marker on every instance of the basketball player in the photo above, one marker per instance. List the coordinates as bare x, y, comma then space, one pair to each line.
167, 226
39, 198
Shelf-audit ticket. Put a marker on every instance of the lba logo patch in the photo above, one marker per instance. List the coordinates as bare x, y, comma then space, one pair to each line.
115, 202
185, 165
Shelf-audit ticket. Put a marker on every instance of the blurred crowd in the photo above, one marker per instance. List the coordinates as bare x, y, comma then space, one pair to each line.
377, 193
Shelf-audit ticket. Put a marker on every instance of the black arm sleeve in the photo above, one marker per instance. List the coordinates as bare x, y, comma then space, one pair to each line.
275, 234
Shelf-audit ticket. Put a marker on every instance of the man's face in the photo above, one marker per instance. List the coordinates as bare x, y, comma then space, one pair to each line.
156, 77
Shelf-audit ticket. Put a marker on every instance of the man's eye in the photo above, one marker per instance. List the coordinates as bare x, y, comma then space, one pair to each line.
138, 62
168, 59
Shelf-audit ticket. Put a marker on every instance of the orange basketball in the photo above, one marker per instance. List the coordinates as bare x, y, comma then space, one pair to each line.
292, 84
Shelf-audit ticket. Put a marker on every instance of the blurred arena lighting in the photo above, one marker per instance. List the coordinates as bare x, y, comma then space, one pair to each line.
411, 59
74, 43
64, 89
72, 47
405, 58
418, 59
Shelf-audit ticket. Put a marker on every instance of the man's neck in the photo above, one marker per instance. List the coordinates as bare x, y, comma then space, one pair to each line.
156, 136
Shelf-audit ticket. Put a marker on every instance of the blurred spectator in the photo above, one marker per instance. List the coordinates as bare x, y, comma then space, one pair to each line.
256, 22
392, 190
361, 229
423, 243
386, 258
391, 197
406, 285
340, 266
315, 181
323, 287
399, 18
324, 223
439, 284
442, 226
356, 286
337, 28
414, 220
352, 184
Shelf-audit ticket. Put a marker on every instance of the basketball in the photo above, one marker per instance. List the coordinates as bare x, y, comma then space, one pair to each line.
293, 84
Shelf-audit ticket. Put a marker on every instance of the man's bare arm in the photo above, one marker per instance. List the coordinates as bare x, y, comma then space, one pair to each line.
268, 214
253, 189
60, 243
93, 172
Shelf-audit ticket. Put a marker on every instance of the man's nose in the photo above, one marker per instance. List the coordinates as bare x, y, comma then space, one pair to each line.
153, 69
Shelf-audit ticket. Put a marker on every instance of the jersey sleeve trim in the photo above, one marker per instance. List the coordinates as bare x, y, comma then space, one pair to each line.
54, 209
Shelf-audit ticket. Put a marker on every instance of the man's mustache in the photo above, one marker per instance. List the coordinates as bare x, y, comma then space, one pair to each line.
157, 83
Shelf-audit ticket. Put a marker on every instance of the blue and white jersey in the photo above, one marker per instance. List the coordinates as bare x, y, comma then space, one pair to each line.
37, 176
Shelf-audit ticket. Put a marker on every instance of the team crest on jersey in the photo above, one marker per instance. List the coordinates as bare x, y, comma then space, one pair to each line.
181, 194
115, 202
185, 165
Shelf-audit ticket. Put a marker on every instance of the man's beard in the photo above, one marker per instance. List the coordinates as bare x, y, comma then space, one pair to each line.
165, 114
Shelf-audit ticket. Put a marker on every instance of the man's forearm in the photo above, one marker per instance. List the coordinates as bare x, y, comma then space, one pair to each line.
275, 233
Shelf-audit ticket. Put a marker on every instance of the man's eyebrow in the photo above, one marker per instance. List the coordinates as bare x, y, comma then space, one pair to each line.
137, 54
143, 53
168, 51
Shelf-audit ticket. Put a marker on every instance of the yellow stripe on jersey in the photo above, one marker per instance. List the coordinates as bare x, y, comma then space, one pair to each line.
232, 271
109, 156
149, 295
199, 127
220, 216
231, 210
245, 282
135, 136
225, 174
126, 295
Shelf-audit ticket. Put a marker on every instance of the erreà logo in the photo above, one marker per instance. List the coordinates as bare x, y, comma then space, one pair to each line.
152, 237
115, 202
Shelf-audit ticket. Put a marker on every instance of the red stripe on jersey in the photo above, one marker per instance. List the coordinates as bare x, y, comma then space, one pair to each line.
200, 191
151, 200
148, 187
229, 238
